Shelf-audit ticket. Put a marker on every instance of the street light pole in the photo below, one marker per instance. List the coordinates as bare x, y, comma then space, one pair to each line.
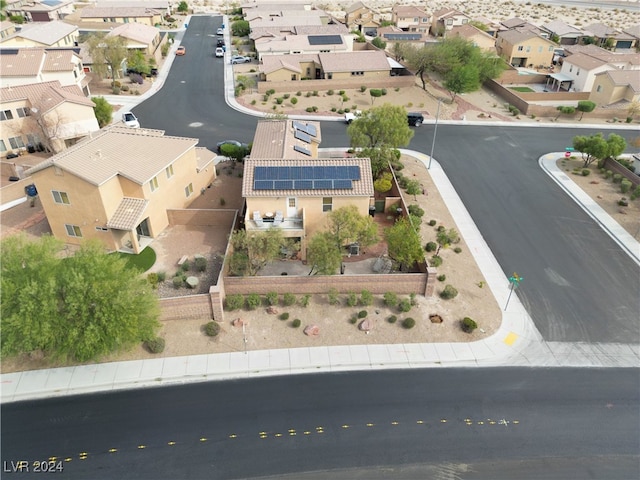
435, 130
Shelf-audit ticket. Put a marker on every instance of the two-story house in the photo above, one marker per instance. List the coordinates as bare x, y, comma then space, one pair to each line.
362, 18
616, 87
44, 116
410, 18
445, 19
285, 184
117, 186
122, 14
141, 37
524, 48
566, 34
477, 37
611, 38
43, 34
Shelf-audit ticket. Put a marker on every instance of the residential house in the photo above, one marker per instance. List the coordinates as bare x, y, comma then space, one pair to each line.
256, 17
25, 66
361, 18
47, 10
295, 190
122, 14
445, 19
411, 19
276, 5
6, 29
490, 27
44, 116
305, 44
117, 186
524, 48
140, 37
609, 37
633, 31
616, 87
267, 34
564, 33
480, 39
43, 34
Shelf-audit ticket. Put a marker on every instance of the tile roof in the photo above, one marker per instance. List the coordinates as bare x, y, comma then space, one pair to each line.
634, 31
138, 154
45, 95
285, 22
272, 63
602, 54
204, 157
515, 37
361, 188
276, 139
137, 32
624, 77
403, 11
560, 28
22, 62
128, 214
115, 12
59, 61
46, 33
469, 31
514, 22
301, 43
446, 12
334, 28
366, 61
584, 61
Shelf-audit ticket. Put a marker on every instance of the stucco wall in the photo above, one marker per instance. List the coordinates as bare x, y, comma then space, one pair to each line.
337, 84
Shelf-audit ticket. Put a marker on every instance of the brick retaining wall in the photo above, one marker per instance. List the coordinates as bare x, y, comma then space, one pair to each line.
186, 308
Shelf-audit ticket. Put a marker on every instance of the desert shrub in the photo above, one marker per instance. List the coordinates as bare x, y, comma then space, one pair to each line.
392, 319
333, 297
294, 100
284, 316
390, 299
449, 292
469, 325
416, 210
442, 278
352, 299
296, 323
271, 91
623, 202
404, 305
447, 237
124, 88
431, 246
272, 298
279, 100
363, 88
177, 281
435, 261
457, 250
330, 92
253, 301
288, 299
625, 185
412, 299
334, 109
617, 178
315, 93
234, 302
432, 223
185, 266
608, 174
308, 94
304, 300
366, 298
152, 278
353, 319
408, 323
285, 95
298, 93
162, 276
211, 329
383, 90
586, 172
362, 314
155, 345
265, 97
200, 264
636, 193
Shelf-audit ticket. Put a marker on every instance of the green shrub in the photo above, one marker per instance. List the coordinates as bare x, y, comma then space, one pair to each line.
435, 261
362, 314
366, 298
298, 93
416, 210
294, 100
636, 193
296, 323
404, 305
284, 316
177, 281
442, 278
625, 185
353, 319
271, 91
408, 323
211, 329
352, 299
315, 93
279, 100
334, 109
333, 297
304, 300
253, 301
330, 92
390, 299
363, 88
608, 174
200, 264
234, 302
623, 202
586, 172
155, 345
272, 298
431, 246
185, 266
162, 276
288, 299
152, 278
432, 223
617, 178
392, 319
449, 292
457, 250
383, 91
285, 95
469, 325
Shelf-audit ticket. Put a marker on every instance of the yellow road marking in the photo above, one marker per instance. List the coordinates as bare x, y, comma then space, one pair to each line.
203, 439
53, 459
113, 450
394, 423
444, 420
515, 422
307, 432
480, 422
369, 424
233, 435
510, 339
419, 422
141, 447
291, 430
278, 434
345, 426
171, 444
68, 459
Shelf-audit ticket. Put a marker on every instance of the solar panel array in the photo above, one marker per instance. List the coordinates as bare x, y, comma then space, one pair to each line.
300, 135
325, 40
402, 36
306, 128
302, 150
305, 178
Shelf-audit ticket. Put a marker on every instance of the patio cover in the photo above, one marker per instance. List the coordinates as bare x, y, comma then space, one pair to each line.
128, 213
561, 77
394, 64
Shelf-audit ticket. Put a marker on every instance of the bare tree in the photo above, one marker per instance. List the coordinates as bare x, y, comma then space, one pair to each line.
107, 53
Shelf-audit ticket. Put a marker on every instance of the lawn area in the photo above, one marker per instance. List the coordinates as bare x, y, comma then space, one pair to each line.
143, 261
522, 89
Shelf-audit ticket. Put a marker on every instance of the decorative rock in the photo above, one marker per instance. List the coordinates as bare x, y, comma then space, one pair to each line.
435, 318
365, 325
272, 310
311, 330
192, 282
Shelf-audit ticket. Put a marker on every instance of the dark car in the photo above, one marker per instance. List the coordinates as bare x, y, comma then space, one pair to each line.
220, 43
415, 119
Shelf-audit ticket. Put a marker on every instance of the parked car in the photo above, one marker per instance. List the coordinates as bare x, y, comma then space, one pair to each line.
130, 120
220, 42
181, 50
220, 31
230, 142
219, 52
240, 59
415, 119
351, 116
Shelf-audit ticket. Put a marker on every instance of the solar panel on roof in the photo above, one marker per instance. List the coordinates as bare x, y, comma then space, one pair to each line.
343, 184
325, 40
300, 135
302, 150
263, 185
307, 172
283, 185
303, 184
259, 173
354, 172
282, 173
322, 184
295, 173
299, 126
402, 36
51, 3
311, 130
329, 172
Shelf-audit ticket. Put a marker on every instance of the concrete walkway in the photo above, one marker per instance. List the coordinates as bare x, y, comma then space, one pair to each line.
517, 342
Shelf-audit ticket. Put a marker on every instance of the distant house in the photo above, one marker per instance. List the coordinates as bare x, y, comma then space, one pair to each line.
524, 48
480, 39
259, 17
392, 34
44, 115
268, 6
445, 19
609, 37
634, 32
46, 10
6, 29
43, 34
267, 34
117, 186
584, 62
616, 87
364, 19
123, 14
304, 44
492, 27
287, 186
411, 19
566, 34
25, 66
140, 37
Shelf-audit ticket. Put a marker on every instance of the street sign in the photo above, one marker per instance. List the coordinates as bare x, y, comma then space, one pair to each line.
569, 149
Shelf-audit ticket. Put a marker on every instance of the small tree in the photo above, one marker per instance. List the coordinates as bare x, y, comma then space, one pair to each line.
585, 106
183, 7
461, 80
240, 28
103, 111
375, 93
323, 254
404, 243
378, 42
565, 110
413, 188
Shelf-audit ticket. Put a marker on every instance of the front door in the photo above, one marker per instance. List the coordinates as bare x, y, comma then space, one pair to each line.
143, 228
292, 209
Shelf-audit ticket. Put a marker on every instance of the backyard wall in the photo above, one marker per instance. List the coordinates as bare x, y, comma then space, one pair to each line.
215, 218
338, 84
615, 167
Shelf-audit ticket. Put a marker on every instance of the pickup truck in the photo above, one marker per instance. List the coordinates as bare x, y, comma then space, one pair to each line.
351, 116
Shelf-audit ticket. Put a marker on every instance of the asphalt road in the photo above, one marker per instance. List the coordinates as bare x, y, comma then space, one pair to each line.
578, 285
441, 423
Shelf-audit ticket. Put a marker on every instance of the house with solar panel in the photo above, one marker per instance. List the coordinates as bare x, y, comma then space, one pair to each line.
305, 44
42, 11
285, 185
410, 18
393, 34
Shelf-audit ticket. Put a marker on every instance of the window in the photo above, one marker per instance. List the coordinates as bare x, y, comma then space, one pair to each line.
329, 76
153, 183
449, 21
540, 49
294, 77
599, 88
292, 202
577, 72
102, 229
16, 142
22, 112
3, 147
464, 21
327, 204
528, 48
570, 68
6, 115
169, 171
73, 230
520, 48
551, 48
357, 74
60, 197
188, 190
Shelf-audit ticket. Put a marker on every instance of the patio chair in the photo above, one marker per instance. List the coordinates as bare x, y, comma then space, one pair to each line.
257, 218
278, 219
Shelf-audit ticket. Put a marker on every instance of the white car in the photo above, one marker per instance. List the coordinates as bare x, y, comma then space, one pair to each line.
351, 116
240, 59
219, 52
220, 31
130, 120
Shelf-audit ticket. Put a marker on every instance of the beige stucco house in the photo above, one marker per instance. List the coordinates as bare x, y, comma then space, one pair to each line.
46, 11
480, 39
609, 37
410, 18
294, 190
362, 18
616, 86
117, 186
445, 19
138, 36
305, 44
116, 14
43, 34
6, 29
44, 116
524, 48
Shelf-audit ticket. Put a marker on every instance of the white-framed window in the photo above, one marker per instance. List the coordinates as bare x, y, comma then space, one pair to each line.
22, 112
464, 21
449, 21
153, 183
540, 49
60, 197
3, 147
6, 115
357, 74
570, 68
327, 204
577, 72
188, 190
528, 48
102, 229
16, 142
73, 230
169, 171
551, 48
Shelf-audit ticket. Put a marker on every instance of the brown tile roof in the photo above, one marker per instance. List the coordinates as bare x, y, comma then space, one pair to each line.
403, 11
272, 63
25, 63
514, 37
366, 61
59, 61
46, 95
584, 61
276, 139
361, 188
469, 31
138, 154
138, 32
128, 213
116, 12
46, 33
